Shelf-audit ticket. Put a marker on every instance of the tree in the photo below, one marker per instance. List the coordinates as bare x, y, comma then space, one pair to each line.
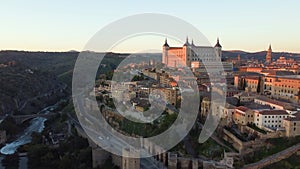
258, 90
11, 161
36, 138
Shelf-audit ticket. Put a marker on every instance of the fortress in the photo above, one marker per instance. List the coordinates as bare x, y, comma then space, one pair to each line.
190, 55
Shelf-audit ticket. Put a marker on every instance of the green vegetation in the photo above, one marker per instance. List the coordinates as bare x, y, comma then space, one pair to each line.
292, 162
277, 145
211, 149
148, 130
73, 153
259, 84
10, 126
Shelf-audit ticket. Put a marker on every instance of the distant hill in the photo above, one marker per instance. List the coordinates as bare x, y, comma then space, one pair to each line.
30, 81
258, 55
59, 64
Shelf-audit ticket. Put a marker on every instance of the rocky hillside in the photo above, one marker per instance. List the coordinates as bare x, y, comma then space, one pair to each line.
25, 90
30, 81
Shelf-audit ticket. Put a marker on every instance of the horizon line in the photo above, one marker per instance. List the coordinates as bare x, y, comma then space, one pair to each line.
118, 52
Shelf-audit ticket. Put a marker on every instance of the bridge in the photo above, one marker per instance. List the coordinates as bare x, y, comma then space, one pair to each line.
22, 118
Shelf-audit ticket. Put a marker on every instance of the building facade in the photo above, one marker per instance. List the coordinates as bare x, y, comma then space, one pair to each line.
292, 126
191, 55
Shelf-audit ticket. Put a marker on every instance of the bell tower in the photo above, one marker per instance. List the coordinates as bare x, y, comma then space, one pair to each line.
269, 55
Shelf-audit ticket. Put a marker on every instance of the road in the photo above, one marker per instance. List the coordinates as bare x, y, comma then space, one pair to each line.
108, 141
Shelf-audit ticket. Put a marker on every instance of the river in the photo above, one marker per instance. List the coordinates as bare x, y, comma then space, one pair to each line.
36, 125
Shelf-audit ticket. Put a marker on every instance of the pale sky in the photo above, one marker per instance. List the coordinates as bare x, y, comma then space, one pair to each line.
63, 26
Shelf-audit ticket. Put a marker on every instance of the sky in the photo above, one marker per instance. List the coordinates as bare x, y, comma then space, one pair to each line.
62, 26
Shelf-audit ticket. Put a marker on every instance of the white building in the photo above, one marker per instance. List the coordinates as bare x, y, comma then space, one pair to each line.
270, 118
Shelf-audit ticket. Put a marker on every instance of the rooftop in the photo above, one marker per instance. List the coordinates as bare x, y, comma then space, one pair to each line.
255, 106
273, 112
296, 117
242, 108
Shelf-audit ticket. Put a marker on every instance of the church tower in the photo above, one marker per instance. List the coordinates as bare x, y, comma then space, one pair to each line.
269, 55
218, 49
165, 52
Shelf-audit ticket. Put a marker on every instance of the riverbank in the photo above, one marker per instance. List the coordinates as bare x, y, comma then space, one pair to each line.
35, 125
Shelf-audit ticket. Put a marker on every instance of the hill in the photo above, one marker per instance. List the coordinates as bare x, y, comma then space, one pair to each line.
258, 55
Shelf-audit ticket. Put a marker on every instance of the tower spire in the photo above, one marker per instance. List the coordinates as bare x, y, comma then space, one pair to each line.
187, 41
166, 43
218, 43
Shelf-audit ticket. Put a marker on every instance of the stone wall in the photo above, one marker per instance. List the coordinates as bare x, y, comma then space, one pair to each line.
243, 147
269, 134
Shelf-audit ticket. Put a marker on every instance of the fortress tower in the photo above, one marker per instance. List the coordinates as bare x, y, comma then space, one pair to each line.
130, 163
